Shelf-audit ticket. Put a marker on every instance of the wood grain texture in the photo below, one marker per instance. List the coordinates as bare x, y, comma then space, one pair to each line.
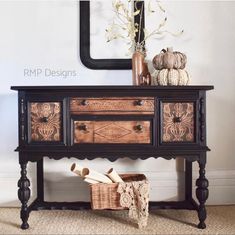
138, 105
45, 121
178, 122
112, 132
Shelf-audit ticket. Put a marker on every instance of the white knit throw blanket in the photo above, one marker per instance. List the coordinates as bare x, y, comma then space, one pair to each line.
135, 196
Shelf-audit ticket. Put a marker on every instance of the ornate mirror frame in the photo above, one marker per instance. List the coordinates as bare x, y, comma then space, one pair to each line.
87, 60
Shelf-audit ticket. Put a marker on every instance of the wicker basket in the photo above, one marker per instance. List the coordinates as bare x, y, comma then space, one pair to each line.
105, 196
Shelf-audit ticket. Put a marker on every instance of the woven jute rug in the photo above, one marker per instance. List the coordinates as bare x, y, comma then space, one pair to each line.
221, 220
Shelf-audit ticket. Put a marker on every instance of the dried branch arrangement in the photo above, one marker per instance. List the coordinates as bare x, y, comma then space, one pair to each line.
123, 26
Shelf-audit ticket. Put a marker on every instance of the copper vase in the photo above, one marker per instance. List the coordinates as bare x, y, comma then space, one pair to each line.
137, 67
140, 72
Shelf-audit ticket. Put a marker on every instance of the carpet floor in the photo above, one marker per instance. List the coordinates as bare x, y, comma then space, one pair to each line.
221, 220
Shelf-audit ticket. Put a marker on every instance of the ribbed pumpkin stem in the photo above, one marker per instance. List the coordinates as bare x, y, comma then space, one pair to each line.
170, 49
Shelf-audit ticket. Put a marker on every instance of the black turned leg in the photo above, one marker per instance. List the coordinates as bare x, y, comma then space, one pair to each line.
40, 181
202, 195
188, 180
24, 195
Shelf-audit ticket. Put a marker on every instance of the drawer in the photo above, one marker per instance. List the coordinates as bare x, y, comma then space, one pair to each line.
178, 122
124, 105
112, 132
45, 121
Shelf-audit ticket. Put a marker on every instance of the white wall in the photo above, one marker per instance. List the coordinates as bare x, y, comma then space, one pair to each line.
44, 34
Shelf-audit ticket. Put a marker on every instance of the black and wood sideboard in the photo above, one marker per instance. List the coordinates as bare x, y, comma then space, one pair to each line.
112, 122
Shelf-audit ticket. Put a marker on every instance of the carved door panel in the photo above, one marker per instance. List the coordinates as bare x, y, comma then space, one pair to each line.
178, 121
45, 121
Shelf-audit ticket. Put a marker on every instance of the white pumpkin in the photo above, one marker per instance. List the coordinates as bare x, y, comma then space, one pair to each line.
184, 77
154, 77
173, 77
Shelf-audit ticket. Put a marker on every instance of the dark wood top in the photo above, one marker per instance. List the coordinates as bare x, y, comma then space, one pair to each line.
103, 87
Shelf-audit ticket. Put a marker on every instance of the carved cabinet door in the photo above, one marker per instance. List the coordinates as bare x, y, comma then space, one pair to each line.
45, 121
177, 122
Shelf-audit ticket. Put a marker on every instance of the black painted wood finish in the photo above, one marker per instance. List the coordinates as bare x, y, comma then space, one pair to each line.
24, 195
36, 151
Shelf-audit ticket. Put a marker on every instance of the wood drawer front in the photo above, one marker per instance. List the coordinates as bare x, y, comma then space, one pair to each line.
112, 132
178, 122
45, 121
139, 105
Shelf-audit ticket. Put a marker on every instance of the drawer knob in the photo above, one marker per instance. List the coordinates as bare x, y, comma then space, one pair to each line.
177, 119
84, 102
44, 119
82, 127
139, 102
139, 127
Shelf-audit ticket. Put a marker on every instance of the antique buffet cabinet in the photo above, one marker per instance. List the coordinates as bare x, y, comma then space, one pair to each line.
112, 122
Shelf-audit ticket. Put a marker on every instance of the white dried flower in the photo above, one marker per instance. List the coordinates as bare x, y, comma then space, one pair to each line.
123, 25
